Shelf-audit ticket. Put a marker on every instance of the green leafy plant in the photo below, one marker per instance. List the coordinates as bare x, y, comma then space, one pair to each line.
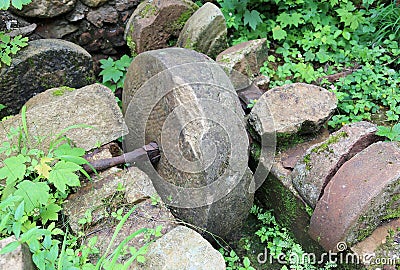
113, 72
392, 133
10, 46
5, 4
252, 103
33, 187
349, 47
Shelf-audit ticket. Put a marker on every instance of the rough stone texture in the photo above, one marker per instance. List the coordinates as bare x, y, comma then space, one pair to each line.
295, 108
48, 115
320, 163
102, 198
205, 31
247, 57
102, 15
56, 29
380, 245
277, 193
45, 8
164, 90
155, 23
42, 65
19, 259
183, 249
94, 3
137, 187
363, 192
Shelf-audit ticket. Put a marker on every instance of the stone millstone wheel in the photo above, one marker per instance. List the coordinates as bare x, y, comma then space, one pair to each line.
185, 102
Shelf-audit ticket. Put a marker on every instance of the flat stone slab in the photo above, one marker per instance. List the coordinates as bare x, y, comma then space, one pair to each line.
246, 57
185, 102
205, 31
57, 109
181, 248
154, 23
363, 192
320, 162
294, 108
43, 64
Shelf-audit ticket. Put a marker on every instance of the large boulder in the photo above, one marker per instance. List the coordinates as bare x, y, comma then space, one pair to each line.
297, 108
205, 31
154, 24
45, 8
55, 110
183, 249
44, 64
320, 163
185, 102
363, 193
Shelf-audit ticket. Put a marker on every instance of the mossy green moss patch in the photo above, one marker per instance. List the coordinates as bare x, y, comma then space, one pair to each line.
62, 90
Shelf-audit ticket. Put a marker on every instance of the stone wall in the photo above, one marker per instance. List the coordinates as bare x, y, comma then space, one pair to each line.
96, 25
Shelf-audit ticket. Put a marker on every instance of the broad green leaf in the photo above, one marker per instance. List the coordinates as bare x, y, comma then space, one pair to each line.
14, 169
284, 19
10, 247
111, 74
4, 4
50, 213
63, 174
252, 18
278, 33
35, 195
67, 150
19, 3
43, 168
2, 107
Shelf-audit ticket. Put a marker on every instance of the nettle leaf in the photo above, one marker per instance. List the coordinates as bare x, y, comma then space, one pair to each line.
123, 62
43, 168
111, 74
14, 169
19, 3
51, 213
278, 33
35, 195
63, 174
4, 4
252, 18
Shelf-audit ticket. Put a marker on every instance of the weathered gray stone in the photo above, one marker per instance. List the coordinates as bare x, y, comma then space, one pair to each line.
90, 196
19, 259
278, 193
42, 65
205, 31
45, 8
294, 108
247, 57
106, 14
185, 102
362, 194
154, 23
56, 109
56, 29
183, 249
94, 3
320, 163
